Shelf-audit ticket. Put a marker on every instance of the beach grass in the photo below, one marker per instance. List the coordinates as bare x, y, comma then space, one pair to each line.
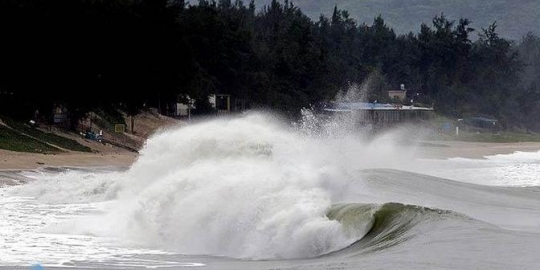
50, 138
14, 141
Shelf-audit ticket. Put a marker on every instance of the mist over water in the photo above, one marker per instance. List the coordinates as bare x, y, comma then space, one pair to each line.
250, 187
256, 187
246, 187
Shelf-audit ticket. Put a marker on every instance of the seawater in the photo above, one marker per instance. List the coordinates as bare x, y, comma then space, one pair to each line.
254, 192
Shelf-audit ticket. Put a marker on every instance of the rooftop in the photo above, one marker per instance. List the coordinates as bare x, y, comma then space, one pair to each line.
356, 106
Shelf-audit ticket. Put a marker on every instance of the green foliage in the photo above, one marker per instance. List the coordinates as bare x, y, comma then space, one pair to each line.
14, 141
111, 116
516, 17
528, 94
146, 53
50, 138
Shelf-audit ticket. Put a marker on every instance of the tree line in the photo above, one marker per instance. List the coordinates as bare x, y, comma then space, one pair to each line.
129, 54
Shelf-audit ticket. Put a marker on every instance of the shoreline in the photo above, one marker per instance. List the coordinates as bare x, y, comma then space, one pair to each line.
471, 150
17, 161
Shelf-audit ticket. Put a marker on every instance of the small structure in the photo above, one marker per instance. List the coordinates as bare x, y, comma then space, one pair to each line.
240, 105
60, 115
184, 105
377, 115
400, 94
180, 107
221, 103
481, 123
119, 128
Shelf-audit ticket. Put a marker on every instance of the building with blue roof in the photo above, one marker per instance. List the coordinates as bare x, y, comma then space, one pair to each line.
379, 115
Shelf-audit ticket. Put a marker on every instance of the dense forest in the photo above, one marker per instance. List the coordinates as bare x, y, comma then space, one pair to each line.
127, 54
515, 17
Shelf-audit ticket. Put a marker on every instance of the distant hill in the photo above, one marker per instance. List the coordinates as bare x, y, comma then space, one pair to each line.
514, 17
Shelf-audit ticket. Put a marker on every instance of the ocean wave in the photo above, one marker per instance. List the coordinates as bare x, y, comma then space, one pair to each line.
386, 225
253, 188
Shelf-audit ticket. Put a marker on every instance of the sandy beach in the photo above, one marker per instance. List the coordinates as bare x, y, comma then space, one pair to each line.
15, 161
27, 161
473, 150
103, 154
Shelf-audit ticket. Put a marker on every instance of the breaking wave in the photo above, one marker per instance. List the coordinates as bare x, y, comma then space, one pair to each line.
249, 187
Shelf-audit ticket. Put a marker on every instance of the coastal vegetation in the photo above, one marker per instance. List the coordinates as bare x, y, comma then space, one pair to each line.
44, 137
15, 141
515, 17
91, 55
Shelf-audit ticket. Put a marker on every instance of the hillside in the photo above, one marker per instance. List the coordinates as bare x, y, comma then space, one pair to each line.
514, 17
20, 137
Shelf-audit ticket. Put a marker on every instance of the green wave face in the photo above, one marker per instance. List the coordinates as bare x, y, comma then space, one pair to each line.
356, 219
379, 227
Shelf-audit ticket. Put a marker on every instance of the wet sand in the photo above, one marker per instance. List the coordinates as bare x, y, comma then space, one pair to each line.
473, 150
